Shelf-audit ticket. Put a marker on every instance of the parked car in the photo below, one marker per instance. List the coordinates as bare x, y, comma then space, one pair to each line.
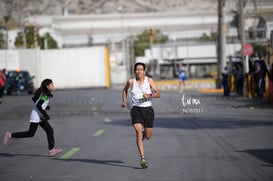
19, 82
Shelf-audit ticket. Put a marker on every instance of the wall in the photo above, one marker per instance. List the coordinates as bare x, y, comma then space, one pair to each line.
9, 59
202, 53
69, 68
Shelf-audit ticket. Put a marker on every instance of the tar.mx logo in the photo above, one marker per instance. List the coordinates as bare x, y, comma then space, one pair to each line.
191, 105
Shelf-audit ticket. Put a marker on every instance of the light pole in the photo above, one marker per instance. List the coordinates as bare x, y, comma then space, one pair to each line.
24, 31
221, 40
120, 9
242, 32
124, 42
151, 42
6, 19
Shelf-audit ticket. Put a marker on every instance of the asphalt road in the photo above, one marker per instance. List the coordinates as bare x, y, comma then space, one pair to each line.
196, 137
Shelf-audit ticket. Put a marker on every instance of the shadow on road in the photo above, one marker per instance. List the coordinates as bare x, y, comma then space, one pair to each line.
200, 123
94, 161
117, 163
14, 155
209, 123
265, 155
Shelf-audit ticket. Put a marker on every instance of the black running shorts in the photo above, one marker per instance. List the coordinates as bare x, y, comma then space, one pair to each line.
143, 115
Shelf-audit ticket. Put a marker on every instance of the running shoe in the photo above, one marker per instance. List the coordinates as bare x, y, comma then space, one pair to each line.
143, 163
54, 151
7, 138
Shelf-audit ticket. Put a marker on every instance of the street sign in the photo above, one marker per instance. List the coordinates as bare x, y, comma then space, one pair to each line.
248, 49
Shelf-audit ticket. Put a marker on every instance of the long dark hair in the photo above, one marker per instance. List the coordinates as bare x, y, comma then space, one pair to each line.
43, 90
139, 63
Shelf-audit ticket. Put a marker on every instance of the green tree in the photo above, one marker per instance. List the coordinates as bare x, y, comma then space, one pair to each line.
29, 33
207, 38
19, 43
142, 41
259, 49
49, 40
29, 38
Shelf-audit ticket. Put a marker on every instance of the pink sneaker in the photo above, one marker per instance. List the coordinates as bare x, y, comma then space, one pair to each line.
7, 138
54, 151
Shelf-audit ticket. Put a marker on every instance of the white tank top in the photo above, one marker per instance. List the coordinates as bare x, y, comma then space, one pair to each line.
35, 113
137, 93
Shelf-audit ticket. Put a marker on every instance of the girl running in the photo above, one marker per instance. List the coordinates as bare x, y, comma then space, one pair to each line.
38, 117
143, 89
182, 78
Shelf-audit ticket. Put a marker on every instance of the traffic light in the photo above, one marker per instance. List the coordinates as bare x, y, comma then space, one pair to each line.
271, 39
151, 31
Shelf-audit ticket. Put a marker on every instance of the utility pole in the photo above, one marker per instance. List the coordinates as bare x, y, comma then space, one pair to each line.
151, 42
223, 36
221, 40
242, 28
7, 17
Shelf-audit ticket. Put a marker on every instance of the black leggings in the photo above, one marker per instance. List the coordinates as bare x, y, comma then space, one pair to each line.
1, 91
32, 130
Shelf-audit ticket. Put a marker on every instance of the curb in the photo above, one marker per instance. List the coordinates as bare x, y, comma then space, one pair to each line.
205, 85
211, 90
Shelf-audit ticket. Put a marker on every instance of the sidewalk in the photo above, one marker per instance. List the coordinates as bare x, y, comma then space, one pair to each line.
208, 86
236, 101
